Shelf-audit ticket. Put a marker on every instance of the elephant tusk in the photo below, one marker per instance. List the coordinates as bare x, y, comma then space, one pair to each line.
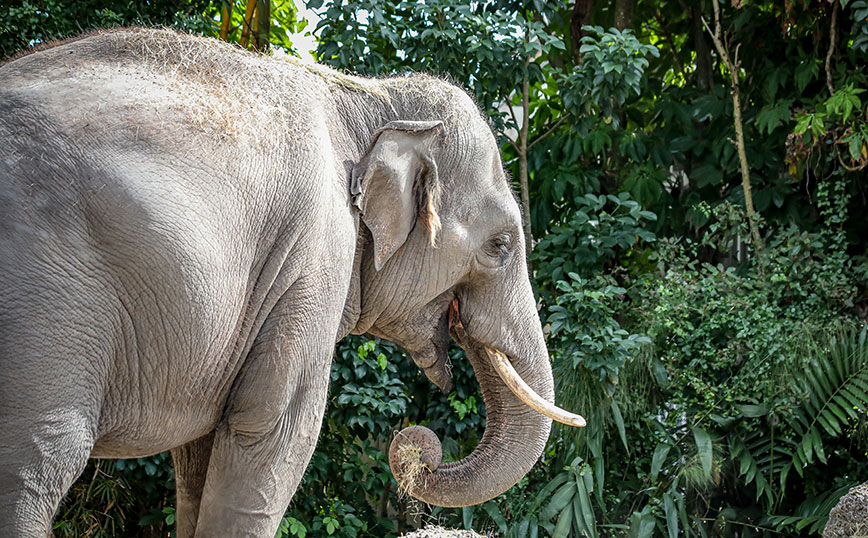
526, 394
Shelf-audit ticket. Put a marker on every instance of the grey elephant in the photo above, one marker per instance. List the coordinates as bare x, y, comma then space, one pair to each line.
187, 228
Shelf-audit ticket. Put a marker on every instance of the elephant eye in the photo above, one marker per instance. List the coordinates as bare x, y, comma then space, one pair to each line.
497, 249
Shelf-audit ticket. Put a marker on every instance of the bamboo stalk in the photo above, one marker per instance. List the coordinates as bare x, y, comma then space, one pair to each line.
263, 21
226, 19
247, 24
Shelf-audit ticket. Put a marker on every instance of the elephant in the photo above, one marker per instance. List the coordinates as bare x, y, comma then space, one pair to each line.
187, 229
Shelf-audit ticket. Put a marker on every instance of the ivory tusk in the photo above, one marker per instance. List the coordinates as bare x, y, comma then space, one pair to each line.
526, 394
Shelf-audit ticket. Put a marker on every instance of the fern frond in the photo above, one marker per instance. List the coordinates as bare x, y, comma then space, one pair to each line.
835, 389
813, 513
763, 461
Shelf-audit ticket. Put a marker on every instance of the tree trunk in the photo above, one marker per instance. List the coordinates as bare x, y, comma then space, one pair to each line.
522, 164
703, 52
225, 20
742, 159
832, 36
580, 17
624, 13
733, 67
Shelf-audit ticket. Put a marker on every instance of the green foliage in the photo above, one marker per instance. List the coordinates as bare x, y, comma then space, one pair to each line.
464, 41
834, 395
289, 526
858, 10
614, 62
26, 23
592, 236
584, 331
812, 514
122, 498
733, 342
376, 390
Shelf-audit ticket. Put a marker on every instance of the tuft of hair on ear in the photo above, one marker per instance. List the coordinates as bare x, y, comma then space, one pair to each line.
432, 219
431, 211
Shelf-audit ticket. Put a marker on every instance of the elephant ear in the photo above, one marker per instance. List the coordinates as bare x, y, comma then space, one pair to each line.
396, 173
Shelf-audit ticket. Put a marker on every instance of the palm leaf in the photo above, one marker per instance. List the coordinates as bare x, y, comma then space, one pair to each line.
835, 394
812, 513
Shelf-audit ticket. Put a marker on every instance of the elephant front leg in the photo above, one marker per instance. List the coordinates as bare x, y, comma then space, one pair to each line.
270, 427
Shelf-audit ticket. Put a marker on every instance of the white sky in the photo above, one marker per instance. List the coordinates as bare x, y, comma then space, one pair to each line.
305, 42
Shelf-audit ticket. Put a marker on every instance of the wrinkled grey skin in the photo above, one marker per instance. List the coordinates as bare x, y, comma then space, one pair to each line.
186, 229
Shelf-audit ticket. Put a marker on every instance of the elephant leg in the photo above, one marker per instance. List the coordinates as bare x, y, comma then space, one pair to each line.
191, 466
271, 423
39, 461
50, 396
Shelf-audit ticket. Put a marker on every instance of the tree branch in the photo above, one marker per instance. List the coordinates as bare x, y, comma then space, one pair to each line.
550, 131
857, 168
263, 26
733, 68
513, 144
512, 113
669, 39
832, 36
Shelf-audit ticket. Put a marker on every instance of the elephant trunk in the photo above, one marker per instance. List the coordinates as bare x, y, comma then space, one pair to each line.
514, 437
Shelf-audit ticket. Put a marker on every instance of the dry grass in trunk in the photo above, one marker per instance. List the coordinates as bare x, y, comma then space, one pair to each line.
410, 458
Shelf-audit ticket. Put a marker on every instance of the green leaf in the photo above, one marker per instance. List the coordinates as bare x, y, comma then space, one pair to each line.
642, 524
835, 381
671, 513
658, 370
806, 71
619, 423
564, 523
467, 516
559, 500
703, 448
493, 512
660, 453
585, 510
753, 411
772, 116
706, 175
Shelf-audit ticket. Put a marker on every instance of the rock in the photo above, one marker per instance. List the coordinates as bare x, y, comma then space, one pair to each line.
439, 532
849, 518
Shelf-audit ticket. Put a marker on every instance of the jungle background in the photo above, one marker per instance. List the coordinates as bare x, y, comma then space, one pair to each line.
693, 180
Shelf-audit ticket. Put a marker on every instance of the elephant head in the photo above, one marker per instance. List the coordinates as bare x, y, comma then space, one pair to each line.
444, 258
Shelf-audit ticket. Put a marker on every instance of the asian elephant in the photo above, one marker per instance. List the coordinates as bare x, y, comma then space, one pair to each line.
187, 228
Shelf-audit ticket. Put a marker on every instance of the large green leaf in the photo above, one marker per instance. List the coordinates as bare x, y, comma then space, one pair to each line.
704, 450
660, 453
